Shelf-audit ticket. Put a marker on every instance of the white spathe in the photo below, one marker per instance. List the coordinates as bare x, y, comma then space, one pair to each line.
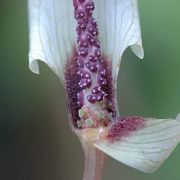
145, 149
118, 23
53, 35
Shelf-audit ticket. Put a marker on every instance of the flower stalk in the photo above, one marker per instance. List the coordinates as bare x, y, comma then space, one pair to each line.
94, 162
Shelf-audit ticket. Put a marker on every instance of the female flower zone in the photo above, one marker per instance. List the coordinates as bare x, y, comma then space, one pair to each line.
83, 41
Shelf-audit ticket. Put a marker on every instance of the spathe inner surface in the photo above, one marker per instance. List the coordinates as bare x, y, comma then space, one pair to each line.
89, 79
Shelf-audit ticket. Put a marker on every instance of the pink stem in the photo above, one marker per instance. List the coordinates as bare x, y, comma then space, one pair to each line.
94, 162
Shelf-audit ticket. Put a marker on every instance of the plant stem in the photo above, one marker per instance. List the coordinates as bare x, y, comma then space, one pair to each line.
94, 162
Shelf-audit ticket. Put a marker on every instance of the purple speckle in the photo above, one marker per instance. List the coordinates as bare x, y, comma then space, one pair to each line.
90, 39
82, 42
101, 81
91, 98
99, 97
97, 52
81, 1
80, 62
96, 90
93, 67
80, 99
72, 87
83, 52
97, 94
92, 58
123, 126
84, 83
89, 7
102, 73
92, 30
84, 74
93, 22
81, 25
79, 14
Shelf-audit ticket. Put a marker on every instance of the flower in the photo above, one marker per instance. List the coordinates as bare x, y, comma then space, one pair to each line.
83, 41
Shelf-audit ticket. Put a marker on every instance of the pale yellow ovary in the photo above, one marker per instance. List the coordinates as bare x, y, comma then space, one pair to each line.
92, 135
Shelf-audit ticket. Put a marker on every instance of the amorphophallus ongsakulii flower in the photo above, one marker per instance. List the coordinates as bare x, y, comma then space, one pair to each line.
83, 41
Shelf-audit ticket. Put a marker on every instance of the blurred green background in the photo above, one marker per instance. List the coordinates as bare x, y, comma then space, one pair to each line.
35, 140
